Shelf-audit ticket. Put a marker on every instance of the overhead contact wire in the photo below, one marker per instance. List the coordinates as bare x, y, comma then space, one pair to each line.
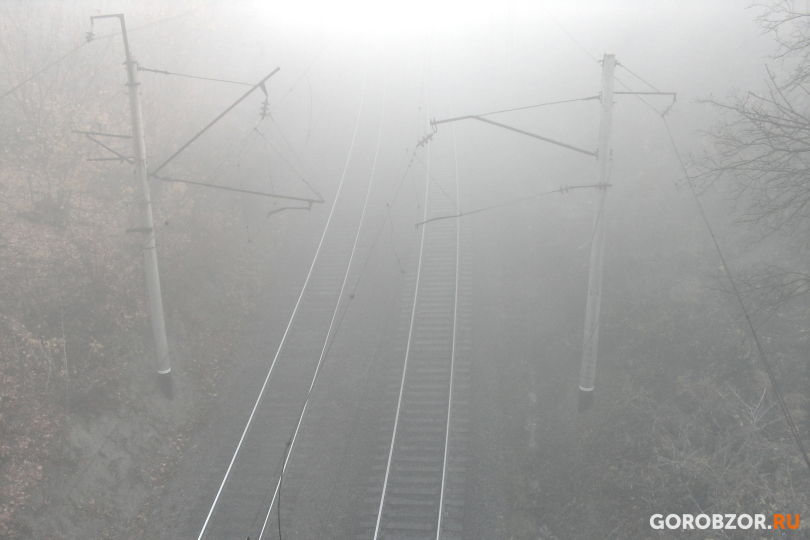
591, 98
164, 72
768, 368
49, 66
43, 70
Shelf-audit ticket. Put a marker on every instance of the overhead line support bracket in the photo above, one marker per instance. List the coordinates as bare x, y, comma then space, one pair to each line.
434, 123
101, 144
214, 121
673, 94
238, 190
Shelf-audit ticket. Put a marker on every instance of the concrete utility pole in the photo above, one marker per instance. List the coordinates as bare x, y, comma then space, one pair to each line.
147, 228
590, 340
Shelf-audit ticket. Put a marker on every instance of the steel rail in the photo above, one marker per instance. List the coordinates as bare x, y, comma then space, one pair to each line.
405, 367
452, 354
329, 333
270, 371
414, 493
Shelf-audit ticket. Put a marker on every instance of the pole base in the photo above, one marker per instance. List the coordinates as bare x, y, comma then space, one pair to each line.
166, 384
585, 401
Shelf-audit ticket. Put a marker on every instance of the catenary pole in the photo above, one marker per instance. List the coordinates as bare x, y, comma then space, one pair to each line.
590, 340
147, 228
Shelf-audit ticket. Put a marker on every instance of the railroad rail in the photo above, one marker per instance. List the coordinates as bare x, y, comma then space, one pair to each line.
415, 489
410, 482
243, 506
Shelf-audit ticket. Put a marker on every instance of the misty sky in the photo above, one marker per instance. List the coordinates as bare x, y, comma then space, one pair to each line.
474, 58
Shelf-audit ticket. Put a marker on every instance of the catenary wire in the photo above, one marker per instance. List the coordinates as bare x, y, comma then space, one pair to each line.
147, 25
540, 105
567, 33
163, 72
448, 197
563, 189
41, 71
294, 153
290, 165
58, 60
306, 71
592, 57
727, 270
627, 69
390, 205
239, 147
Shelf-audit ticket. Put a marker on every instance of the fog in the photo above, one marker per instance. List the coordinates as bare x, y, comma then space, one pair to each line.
374, 316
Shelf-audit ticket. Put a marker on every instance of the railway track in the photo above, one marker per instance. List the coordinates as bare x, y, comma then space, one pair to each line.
415, 472
245, 498
415, 488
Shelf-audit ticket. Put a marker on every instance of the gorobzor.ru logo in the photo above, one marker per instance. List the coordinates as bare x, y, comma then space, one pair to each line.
724, 521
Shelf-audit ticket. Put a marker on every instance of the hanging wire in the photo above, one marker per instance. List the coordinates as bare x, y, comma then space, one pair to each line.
306, 71
447, 196
163, 72
386, 219
294, 153
727, 269
660, 113
320, 361
567, 33
563, 189
541, 105
290, 165
89, 36
592, 57
636, 76
390, 204
240, 148
782, 405
43, 70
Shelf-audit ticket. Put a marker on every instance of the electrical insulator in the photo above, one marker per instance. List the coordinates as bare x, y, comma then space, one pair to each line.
265, 109
89, 36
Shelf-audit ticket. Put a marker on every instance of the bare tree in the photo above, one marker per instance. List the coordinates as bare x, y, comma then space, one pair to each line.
761, 150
